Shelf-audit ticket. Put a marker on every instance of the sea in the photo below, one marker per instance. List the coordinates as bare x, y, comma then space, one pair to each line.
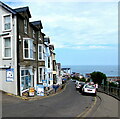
109, 70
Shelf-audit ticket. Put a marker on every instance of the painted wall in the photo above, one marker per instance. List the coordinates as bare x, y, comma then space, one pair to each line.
10, 87
48, 69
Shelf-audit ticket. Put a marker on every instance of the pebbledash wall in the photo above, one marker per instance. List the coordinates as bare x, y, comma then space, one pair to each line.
8, 49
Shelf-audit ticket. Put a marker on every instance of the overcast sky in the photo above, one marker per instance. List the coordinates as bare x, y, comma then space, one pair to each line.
84, 33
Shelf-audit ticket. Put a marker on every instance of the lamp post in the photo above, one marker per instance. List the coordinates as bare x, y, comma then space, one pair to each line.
103, 85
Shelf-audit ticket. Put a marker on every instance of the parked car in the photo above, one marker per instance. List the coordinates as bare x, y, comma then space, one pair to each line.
89, 89
79, 86
76, 82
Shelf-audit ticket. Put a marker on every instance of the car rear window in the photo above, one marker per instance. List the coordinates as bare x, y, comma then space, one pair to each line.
90, 86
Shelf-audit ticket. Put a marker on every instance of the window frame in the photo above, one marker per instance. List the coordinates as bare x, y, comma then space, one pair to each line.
3, 23
32, 79
25, 26
42, 51
29, 49
3, 47
43, 74
33, 33
48, 61
39, 36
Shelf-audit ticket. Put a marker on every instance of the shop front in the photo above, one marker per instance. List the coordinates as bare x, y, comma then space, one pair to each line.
26, 80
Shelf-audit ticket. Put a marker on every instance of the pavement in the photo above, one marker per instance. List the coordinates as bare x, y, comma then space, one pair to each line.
106, 106
36, 97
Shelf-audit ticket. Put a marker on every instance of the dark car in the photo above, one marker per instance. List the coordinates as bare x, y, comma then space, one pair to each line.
79, 86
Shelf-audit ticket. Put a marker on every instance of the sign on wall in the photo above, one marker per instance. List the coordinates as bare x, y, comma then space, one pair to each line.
10, 75
40, 90
45, 84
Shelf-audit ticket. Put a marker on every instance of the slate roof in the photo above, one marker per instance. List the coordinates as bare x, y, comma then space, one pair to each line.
47, 39
36, 23
8, 8
23, 9
17, 10
51, 47
65, 68
43, 34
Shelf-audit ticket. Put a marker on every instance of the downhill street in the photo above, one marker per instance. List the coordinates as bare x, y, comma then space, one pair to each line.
69, 103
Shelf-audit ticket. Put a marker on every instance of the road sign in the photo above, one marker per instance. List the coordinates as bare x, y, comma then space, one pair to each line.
10, 75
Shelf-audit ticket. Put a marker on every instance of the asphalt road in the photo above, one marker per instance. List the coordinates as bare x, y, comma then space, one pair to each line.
69, 103
106, 106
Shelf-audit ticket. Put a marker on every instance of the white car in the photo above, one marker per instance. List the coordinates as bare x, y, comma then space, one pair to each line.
90, 89
76, 82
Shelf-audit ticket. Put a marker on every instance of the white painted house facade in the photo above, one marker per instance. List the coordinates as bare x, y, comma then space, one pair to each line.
27, 59
48, 63
8, 49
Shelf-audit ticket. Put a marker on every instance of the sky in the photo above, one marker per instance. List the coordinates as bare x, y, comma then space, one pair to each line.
83, 33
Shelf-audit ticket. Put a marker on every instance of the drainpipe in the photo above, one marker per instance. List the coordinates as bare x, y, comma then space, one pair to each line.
18, 60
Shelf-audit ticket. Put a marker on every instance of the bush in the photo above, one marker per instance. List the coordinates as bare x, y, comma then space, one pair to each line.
75, 78
112, 84
97, 77
82, 79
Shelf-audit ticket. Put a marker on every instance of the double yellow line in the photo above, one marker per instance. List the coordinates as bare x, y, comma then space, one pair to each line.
87, 111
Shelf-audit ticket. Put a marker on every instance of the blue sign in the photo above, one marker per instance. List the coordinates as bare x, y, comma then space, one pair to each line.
10, 75
40, 90
45, 84
64, 79
51, 79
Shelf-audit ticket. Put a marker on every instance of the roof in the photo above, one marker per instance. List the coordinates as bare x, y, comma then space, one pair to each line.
7, 8
37, 23
51, 47
17, 10
65, 68
47, 39
43, 34
23, 9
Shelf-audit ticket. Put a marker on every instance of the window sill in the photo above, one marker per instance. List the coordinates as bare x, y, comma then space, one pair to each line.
7, 58
41, 60
29, 59
9, 30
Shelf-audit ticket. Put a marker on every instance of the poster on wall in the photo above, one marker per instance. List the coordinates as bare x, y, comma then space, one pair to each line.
10, 75
40, 90
45, 84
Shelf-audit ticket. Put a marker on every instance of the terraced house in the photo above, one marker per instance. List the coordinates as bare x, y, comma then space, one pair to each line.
25, 59
48, 63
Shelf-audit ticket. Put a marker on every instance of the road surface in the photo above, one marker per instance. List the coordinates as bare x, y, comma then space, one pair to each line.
69, 103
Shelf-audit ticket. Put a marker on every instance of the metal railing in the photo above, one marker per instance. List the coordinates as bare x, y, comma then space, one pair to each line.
113, 91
